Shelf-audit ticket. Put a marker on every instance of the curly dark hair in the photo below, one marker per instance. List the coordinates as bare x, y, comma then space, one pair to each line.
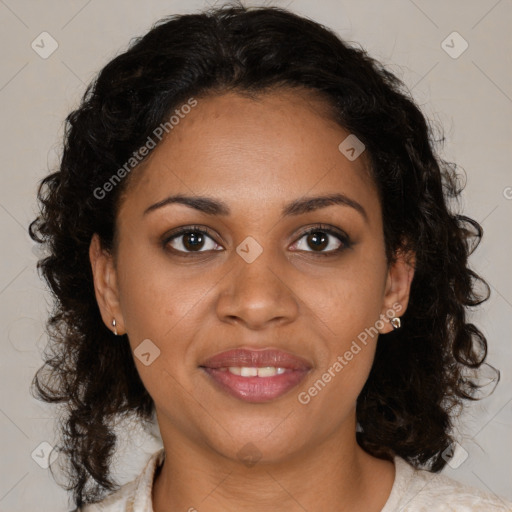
422, 372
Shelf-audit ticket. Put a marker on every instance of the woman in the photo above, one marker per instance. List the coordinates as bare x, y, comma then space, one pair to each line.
250, 237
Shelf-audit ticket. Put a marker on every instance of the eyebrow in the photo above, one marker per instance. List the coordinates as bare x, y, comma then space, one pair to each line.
211, 206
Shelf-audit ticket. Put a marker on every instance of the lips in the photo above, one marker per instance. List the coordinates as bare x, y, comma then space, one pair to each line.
234, 372
257, 359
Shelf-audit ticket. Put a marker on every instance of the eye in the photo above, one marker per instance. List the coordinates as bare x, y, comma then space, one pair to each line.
323, 240
191, 239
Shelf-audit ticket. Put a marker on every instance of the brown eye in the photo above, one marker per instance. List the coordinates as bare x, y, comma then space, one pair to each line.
317, 240
323, 241
191, 240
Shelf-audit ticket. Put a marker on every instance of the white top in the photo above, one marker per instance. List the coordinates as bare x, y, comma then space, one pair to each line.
413, 491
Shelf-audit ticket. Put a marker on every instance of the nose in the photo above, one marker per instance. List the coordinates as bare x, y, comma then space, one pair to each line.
257, 294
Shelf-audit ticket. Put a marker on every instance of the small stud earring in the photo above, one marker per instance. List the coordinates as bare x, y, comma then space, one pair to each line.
114, 326
396, 323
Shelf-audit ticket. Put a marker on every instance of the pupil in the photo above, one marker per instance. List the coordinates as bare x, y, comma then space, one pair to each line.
318, 239
193, 240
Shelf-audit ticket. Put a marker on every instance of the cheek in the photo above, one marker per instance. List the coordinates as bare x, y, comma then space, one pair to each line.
351, 313
160, 309
350, 307
350, 301
154, 295
164, 312
352, 346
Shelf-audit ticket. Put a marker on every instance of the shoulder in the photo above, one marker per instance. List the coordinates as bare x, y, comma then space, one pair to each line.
419, 490
134, 496
121, 500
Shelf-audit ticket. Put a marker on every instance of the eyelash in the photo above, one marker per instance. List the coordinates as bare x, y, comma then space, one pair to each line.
322, 228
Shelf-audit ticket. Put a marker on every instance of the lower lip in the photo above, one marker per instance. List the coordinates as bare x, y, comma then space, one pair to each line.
256, 389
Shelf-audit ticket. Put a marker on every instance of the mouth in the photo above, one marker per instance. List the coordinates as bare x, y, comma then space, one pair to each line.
256, 375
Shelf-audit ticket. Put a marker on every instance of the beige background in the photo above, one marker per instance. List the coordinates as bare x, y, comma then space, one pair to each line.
471, 96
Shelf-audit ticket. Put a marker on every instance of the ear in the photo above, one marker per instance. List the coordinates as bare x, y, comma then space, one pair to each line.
105, 284
398, 288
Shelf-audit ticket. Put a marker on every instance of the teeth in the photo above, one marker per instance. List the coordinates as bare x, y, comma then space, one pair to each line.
248, 372
267, 371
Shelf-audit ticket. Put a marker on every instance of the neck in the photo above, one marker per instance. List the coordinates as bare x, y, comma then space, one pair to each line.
333, 476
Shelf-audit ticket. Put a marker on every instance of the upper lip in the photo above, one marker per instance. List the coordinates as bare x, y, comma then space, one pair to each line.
242, 357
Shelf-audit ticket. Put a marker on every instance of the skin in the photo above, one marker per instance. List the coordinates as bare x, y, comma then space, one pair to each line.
256, 155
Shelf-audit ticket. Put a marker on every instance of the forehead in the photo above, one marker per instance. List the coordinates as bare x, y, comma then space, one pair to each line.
265, 148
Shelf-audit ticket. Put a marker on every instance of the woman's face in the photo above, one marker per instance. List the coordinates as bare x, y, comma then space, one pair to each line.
251, 170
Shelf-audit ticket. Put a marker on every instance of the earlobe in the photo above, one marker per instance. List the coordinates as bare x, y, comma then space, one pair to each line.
105, 285
398, 288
